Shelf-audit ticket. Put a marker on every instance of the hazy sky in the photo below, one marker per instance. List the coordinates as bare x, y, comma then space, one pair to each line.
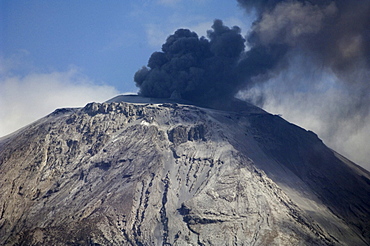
67, 53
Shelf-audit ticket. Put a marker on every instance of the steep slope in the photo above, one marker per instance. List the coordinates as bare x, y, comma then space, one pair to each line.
138, 173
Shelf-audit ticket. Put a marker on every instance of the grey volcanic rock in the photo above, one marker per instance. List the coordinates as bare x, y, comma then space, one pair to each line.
142, 173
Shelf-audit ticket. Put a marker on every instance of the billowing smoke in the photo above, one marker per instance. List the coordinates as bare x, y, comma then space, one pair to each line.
192, 67
201, 70
334, 35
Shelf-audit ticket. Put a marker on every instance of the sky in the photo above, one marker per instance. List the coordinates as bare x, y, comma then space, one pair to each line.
106, 40
68, 53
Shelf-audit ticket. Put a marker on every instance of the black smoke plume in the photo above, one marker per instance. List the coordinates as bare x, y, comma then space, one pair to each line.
194, 68
203, 70
336, 34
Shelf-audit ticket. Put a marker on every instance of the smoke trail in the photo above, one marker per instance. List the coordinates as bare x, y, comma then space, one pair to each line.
323, 79
332, 36
336, 32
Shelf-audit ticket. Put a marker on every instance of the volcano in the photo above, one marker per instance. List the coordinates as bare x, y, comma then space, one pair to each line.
142, 171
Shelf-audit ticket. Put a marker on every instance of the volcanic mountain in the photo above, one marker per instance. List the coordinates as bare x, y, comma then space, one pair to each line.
141, 171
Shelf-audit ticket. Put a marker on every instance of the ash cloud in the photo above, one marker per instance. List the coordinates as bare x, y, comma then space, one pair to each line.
192, 67
205, 70
335, 34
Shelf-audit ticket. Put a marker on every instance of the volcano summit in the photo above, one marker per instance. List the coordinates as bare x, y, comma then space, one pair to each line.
137, 171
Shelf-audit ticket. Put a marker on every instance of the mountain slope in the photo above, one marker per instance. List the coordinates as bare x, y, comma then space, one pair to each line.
154, 173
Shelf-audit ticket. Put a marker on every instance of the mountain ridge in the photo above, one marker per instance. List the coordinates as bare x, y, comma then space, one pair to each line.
165, 173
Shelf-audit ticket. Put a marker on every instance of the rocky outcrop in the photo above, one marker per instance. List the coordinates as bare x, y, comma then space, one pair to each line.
169, 174
181, 134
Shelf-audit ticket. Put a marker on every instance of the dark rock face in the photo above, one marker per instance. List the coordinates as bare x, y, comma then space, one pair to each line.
170, 174
181, 134
178, 135
197, 132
